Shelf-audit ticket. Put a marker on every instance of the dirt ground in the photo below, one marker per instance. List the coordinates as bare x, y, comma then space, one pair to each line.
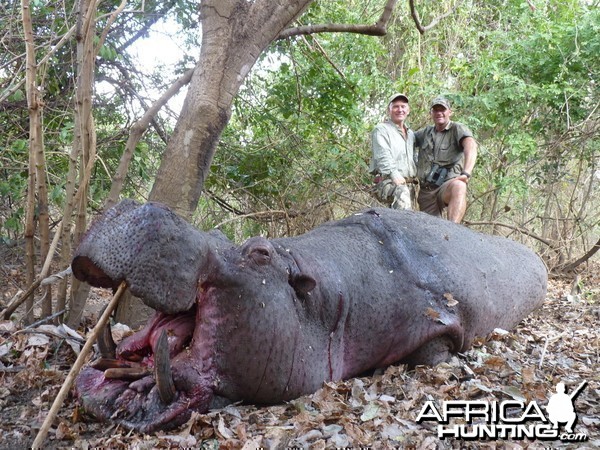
558, 343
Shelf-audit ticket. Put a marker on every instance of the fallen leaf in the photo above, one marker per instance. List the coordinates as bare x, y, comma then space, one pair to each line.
371, 411
451, 300
38, 340
496, 362
514, 392
432, 314
223, 430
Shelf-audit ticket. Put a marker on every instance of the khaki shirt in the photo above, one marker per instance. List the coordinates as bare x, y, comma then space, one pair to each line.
392, 155
442, 148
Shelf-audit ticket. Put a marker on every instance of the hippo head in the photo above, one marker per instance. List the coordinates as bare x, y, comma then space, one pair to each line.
220, 311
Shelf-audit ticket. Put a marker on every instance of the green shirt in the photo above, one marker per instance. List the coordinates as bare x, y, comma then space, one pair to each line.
442, 148
392, 154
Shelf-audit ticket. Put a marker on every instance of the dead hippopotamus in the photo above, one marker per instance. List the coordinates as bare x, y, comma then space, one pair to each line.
271, 320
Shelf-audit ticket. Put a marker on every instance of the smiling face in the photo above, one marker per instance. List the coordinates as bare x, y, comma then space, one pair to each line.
399, 111
440, 116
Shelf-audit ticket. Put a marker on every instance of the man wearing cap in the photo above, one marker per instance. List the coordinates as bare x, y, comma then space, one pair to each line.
393, 163
446, 157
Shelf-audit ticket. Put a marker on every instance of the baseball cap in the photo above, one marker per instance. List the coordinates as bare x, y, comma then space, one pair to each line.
395, 96
442, 101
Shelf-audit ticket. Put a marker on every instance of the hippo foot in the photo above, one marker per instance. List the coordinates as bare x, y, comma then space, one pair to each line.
434, 352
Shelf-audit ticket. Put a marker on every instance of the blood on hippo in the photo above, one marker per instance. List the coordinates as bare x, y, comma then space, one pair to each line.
271, 320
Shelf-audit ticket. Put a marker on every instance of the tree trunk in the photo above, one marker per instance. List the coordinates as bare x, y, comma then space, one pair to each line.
135, 134
234, 34
84, 138
37, 168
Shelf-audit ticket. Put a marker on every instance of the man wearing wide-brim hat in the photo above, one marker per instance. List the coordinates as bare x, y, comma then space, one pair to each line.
393, 164
446, 158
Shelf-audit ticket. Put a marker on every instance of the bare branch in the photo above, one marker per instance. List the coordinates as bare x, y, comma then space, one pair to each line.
85, 351
571, 266
136, 132
326, 56
379, 29
415, 15
111, 20
515, 228
53, 49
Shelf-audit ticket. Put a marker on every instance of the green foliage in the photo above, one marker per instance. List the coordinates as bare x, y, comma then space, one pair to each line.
522, 75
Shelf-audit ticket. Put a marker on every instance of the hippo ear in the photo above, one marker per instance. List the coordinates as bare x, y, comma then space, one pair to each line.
302, 283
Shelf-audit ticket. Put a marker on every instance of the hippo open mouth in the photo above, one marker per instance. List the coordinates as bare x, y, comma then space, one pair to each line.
154, 378
144, 381
271, 320
206, 342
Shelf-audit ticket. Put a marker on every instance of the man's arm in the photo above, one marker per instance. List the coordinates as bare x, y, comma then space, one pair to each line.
470, 149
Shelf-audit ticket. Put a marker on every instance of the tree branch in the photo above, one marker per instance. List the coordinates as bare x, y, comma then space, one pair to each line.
328, 59
515, 228
136, 132
50, 50
152, 20
378, 29
415, 15
571, 266
81, 358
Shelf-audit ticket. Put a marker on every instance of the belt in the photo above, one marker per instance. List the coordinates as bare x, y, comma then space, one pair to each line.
429, 186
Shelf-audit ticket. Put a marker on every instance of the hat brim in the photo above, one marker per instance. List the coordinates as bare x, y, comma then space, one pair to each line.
395, 97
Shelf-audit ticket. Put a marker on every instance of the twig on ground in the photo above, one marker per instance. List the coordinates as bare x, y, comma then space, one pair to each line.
548, 340
58, 401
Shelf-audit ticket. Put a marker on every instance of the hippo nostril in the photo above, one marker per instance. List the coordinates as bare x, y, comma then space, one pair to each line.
162, 370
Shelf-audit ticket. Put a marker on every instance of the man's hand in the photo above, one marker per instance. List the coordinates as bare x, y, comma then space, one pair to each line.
464, 176
399, 181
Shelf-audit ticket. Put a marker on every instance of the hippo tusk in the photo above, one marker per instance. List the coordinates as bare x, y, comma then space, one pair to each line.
126, 373
162, 370
109, 363
106, 344
104, 364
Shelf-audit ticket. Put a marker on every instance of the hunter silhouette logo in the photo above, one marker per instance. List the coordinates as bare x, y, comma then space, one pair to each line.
508, 419
560, 407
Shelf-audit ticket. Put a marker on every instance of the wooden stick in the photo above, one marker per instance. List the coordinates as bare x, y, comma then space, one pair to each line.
64, 390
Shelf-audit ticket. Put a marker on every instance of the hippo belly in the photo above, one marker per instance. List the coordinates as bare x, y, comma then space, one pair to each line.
270, 320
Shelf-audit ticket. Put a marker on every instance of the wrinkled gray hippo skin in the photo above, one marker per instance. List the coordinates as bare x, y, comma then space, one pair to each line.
271, 320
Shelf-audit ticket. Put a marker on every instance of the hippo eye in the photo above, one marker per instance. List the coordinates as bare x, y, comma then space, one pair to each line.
260, 255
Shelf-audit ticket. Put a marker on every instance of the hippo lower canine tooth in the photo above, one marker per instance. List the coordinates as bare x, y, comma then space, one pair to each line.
162, 370
267, 321
106, 344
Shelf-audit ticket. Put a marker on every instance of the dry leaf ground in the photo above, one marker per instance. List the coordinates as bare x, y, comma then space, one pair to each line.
559, 342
